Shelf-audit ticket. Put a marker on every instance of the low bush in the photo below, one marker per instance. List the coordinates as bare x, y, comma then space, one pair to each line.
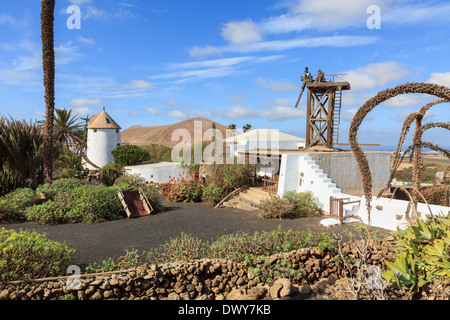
212, 194
12, 205
110, 173
130, 179
154, 196
306, 204
158, 153
59, 187
240, 246
236, 176
28, 255
86, 204
277, 207
292, 205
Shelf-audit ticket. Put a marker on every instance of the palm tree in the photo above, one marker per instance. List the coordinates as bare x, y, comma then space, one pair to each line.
66, 128
48, 65
232, 126
247, 127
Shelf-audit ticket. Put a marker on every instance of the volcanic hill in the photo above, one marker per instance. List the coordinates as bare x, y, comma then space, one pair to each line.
141, 136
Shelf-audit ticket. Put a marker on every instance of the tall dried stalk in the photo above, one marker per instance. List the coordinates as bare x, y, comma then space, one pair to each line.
48, 64
417, 87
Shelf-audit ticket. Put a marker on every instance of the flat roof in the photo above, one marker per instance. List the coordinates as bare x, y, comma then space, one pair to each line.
156, 164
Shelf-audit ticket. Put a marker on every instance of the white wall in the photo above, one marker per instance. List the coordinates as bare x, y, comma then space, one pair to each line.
391, 213
100, 143
300, 173
252, 144
160, 172
342, 168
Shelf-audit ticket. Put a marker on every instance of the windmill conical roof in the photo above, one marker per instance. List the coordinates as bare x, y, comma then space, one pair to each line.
102, 121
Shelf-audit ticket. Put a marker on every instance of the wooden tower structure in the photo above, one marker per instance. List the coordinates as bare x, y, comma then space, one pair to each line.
323, 108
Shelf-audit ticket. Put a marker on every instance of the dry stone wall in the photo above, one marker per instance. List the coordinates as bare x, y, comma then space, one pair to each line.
202, 279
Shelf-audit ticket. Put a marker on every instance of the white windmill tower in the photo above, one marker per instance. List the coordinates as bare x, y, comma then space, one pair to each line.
103, 135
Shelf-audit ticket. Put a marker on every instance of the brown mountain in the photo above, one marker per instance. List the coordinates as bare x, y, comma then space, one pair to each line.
139, 135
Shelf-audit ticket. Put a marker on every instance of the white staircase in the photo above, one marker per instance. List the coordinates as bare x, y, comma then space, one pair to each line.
312, 178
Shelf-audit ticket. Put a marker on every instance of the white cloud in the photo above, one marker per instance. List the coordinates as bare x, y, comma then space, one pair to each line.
86, 40
410, 100
236, 98
281, 113
213, 68
82, 106
66, 53
178, 114
241, 32
289, 44
197, 52
153, 111
442, 79
237, 112
375, 75
138, 84
277, 86
348, 114
282, 109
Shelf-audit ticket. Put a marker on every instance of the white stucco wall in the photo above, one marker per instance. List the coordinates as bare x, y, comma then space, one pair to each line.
160, 172
299, 172
391, 213
100, 143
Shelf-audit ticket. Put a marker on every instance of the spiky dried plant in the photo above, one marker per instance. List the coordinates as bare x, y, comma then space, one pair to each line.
416, 87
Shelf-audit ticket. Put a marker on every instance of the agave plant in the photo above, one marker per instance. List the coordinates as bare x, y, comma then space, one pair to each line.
21, 148
424, 254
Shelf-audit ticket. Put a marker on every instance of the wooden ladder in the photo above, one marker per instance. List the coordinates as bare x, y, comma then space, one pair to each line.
337, 115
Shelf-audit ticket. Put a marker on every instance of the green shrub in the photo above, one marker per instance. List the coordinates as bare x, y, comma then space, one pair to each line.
28, 255
59, 187
110, 173
13, 205
236, 176
85, 204
306, 205
212, 194
128, 154
130, 179
277, 207
158, 153
290, 206
423, 254
154, 196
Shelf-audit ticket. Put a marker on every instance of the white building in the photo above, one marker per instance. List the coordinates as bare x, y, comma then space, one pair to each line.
264, 140
103, 135
160, 172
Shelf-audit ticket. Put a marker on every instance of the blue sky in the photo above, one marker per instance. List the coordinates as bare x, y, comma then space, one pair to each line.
159, 62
